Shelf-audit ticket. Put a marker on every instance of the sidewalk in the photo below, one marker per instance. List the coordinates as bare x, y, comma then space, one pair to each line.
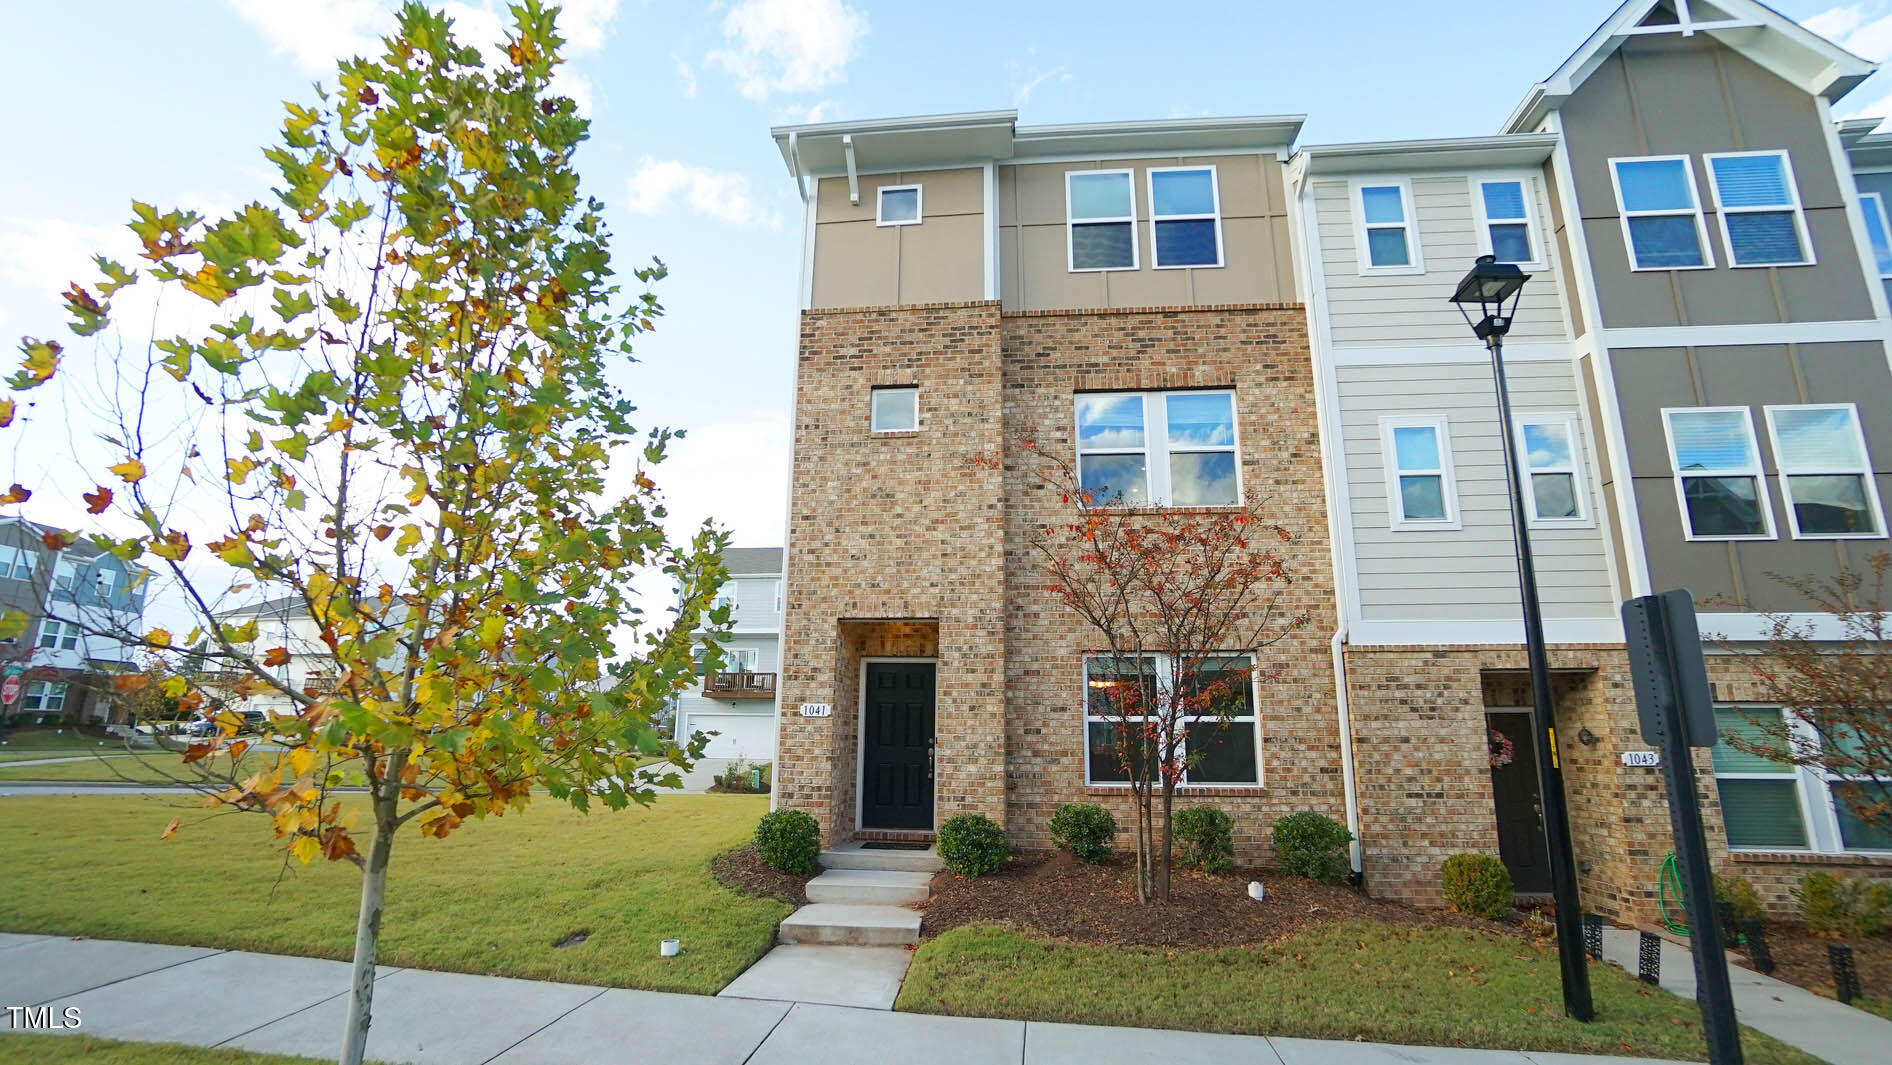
204, 997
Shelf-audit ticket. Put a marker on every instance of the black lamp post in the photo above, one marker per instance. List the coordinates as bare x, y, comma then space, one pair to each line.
1489, 286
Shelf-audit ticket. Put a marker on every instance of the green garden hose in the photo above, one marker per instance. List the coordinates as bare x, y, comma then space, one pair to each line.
1671, 897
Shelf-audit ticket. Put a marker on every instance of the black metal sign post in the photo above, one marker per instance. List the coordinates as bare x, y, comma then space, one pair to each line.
1677, 712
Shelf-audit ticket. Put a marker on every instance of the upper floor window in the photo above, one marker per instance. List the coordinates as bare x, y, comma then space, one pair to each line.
1759, 208
895, 410
1157, 449
1219, 727
1383, 213
1550, 454
58, 635
1505, 226
107, 583
65, 576
1100, 208
728, 595
1662, 217
1878, 231
778, 597
1717, 466
897, 205
1824, 471
1421, 492
1185, 216
17, 563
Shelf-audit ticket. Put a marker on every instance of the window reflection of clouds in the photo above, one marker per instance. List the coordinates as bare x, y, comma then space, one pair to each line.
1205, 419
1198, 479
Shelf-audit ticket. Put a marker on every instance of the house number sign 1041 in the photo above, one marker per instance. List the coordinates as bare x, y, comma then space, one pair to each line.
816, 709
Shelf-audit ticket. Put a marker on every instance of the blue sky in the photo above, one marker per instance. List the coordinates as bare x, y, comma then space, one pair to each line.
171, 102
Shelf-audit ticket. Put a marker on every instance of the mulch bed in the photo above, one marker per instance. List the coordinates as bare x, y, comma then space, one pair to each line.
1800, 958
1058, 896
744, 872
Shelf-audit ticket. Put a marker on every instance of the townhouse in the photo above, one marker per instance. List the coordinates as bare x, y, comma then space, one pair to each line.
1699, 375
74, 598
735, 705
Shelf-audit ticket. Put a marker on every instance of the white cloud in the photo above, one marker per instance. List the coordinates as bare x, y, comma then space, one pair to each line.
788, 45
1836, 22
1864, 29
585, 24
723, 195
687, 76
315, 33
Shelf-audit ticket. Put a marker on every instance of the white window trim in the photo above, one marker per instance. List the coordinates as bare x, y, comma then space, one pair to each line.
919, 205
65, 576
1877, 206
45, 691
873, 412
1156, 446
12, 559
778, 597
105, 584
1819, 813
1071, 224
1757, 471
1793, 205
1624, 214
1568, 419
1364, 254
1864, 472
1215, 199
1540, 260
1395, 503
1162, 685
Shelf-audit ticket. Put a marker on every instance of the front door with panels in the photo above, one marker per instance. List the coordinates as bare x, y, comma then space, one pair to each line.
897, 746
1520, 809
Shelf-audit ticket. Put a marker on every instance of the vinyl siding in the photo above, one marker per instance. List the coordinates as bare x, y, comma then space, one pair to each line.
1408, 309
755, 605
1471, 573
745, 726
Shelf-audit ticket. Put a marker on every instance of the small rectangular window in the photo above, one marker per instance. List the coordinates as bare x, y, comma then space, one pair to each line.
65, 576
1100, 212
895, 410
897, 205
1717, 466
107, 583
1505, 229
1166, 449
1551, 456
1383, 211
23, 562
1662, 217
1759, 208
1420, 490
1824, 471
1185, 217
1878, 231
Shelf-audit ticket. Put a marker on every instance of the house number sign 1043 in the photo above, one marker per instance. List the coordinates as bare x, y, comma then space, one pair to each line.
1642, 758
816, 709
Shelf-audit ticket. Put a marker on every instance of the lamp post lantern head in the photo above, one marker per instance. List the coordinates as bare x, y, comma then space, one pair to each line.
1488, 285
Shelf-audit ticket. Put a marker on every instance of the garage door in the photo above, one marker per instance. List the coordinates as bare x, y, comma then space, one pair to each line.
750, 736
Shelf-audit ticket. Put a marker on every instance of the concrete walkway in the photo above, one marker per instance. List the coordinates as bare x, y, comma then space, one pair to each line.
205, 997
104, 752
1793, 1015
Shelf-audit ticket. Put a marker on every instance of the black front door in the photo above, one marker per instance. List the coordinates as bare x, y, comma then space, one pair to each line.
897, 746
1520, 814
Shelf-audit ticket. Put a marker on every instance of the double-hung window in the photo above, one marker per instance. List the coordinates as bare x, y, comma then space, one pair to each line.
1505, 228
58, 635
107, 583
1878, 232
1220, 741
1550, 455
897, 205
1824, 472
1759, 207
1166, 449
1718, 480
65, 576
1421, 492
1101, 220
45, 696
17, 563
1388, 240
1768, 805
1185, 217
1662, 217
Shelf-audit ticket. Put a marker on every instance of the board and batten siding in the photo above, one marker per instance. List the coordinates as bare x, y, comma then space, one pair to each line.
1471, 573
1412, 309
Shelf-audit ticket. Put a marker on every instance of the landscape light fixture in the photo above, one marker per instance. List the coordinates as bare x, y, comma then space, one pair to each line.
1489, 286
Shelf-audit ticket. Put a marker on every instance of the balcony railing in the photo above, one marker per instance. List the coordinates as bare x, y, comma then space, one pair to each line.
739, 685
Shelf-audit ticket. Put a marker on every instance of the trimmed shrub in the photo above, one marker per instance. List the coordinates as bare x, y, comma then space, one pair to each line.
1744, 903
972, 845
789, 840
1842, 906
1085, 829
1478, 884
1822, 907
1207, 837
1312, 845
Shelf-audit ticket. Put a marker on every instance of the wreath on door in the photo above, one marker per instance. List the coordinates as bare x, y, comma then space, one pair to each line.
1500, 748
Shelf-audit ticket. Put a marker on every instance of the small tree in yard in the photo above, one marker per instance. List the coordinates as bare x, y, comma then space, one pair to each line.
1182, 602
1835, 695
402, 417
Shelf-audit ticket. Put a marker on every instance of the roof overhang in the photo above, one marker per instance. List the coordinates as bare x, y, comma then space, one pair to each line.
1452, 153
1185, 136
1771, 40
1870, 152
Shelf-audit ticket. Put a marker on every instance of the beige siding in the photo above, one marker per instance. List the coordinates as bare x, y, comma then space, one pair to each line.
1034, 260
1411, 309
1471, 573
861, 264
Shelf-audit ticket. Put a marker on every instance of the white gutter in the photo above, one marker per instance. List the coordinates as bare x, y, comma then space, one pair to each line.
1345, 714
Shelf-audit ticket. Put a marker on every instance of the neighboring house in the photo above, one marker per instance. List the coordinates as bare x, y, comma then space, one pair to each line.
282, 621
1699, 373
736, 705
74, 598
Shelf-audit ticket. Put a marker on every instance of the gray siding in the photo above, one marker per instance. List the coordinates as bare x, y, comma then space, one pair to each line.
1471, 573
1404, 309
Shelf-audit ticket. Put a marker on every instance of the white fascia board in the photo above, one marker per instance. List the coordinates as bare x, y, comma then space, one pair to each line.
1703, 336
1186, 136
1446, 354
1445, 154
1447, 632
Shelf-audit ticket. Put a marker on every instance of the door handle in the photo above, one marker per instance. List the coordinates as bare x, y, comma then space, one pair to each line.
929, 761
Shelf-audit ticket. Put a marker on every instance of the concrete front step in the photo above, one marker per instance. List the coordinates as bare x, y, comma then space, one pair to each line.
855, 926
853, 856
872, 887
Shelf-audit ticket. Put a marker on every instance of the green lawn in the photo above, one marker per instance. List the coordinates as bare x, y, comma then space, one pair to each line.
494, 897
1349, 980
66, 1049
